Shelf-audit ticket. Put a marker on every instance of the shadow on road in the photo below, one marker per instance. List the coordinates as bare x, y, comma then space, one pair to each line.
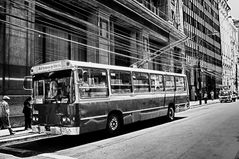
54, 144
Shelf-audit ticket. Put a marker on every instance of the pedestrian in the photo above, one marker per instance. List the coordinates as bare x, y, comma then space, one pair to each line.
27, 110
205, 97
4, 114
212, 95
196, 96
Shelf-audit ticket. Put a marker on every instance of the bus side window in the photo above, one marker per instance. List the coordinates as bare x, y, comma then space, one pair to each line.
156, 83
141, 82
120, 82
180, 83
169, 83
93, 84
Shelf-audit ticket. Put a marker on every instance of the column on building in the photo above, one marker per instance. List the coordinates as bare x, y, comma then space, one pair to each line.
134, 50
2, 48
104, 36
18, 44
92, 38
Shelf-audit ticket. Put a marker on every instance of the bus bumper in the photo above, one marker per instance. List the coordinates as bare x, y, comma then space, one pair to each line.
182, 107
56, 130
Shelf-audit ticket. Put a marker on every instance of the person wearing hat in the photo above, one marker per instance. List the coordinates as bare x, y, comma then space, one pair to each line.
4, 114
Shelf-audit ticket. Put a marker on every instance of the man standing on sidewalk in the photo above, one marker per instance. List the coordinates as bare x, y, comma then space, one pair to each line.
4, 114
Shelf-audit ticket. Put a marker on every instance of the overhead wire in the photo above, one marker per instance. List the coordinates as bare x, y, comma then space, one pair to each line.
129, 39
138, 44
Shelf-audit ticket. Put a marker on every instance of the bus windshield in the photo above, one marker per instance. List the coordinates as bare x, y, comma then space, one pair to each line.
54, 87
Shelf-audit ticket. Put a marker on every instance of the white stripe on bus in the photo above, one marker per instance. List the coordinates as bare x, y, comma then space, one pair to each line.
128, 97
12, 79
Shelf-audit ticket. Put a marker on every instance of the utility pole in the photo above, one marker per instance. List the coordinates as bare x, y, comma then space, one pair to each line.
236, 82
199, 78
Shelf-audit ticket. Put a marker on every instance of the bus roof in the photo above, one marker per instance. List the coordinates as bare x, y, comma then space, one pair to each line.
70, 64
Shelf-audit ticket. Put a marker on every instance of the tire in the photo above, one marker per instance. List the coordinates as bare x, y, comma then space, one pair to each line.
171, 114
114, 124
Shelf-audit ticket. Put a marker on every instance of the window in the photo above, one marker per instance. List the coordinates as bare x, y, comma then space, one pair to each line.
92, 83
120, 82
156, 83
180, 83
39, 87
141, 82
169, 83
103, 28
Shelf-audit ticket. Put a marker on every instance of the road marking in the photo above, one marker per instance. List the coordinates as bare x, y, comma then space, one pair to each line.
50, 155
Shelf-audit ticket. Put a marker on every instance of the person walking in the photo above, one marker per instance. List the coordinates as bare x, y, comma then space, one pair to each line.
4, 114
212, 95
205, 97
27, 110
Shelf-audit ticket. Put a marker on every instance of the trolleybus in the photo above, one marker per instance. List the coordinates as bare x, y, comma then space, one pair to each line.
73, 97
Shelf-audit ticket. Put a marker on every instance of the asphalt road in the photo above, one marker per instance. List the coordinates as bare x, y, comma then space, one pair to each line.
207, 132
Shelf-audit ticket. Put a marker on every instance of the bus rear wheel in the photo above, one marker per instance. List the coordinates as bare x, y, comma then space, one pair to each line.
114, 124
171, 114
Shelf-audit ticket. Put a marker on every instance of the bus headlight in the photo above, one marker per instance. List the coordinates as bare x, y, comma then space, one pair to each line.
35, 118
66, 120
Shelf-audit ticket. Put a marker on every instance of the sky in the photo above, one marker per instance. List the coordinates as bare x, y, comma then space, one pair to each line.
234, 4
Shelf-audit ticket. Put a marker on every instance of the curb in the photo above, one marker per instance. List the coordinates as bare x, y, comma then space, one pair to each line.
198, 105
17, 152
22, 138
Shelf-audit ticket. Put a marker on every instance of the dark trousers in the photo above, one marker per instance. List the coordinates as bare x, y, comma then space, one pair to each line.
28, 122
205, 99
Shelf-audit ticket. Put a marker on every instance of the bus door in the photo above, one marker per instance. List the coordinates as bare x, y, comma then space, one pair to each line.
157, 87
180, 92
169, 90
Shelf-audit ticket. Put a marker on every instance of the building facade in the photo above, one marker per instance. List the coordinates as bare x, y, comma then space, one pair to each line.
229, 41
114, 32
236, 23
203, 51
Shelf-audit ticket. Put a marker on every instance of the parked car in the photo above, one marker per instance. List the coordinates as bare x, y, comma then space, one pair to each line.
225, 96
234, 96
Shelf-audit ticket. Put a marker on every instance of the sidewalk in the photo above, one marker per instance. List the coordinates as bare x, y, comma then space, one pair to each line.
20, 135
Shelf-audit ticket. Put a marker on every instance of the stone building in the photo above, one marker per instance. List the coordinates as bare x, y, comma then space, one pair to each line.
114, 32
236, 23
229, 44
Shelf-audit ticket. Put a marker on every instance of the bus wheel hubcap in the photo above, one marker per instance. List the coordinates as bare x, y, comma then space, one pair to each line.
113, 123
171, 113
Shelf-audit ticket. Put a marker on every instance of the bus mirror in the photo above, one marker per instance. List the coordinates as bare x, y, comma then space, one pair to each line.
27, 83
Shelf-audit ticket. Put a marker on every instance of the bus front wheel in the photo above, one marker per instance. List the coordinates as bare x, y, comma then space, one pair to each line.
171, 114
114, 124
